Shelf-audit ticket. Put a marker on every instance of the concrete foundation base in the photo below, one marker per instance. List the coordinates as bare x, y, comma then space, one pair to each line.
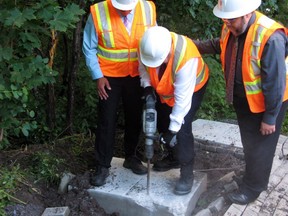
126, 193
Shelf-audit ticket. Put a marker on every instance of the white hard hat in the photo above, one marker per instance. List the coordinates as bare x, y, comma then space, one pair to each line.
229, 9
155, 46
124, 5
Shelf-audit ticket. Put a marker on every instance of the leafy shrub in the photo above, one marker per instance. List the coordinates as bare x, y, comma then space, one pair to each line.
46, 167
9, 180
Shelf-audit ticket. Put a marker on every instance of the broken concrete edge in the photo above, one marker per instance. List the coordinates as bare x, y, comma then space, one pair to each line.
216, 147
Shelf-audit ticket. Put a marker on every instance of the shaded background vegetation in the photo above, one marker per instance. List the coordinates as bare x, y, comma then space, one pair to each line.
46, 91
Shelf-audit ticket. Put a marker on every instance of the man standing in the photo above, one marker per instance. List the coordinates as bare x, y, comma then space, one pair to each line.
111, 38
175, 69
253, 50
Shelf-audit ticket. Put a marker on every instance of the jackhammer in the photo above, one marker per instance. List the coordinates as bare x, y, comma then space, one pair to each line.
149, 128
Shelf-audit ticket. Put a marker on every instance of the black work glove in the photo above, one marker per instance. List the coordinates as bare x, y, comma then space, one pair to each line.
168, 138
149, 91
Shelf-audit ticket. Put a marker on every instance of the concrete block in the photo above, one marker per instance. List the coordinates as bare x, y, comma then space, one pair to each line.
57, 211
126, 193
63, 186
217, 132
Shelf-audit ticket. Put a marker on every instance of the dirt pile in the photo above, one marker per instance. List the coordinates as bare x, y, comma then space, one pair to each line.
38, 196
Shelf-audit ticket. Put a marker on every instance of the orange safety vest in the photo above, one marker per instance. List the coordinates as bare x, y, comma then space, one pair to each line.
257, 36
117, 50
183, 49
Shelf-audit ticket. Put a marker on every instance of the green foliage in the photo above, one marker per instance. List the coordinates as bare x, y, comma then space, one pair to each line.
46, 167
214, 105
86, 105
284, 128
187, 17
9, 180
25, 63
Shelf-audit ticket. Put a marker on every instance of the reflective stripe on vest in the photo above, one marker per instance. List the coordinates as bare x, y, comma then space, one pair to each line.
257, 36
255, 87
181, 46
117, 55
103, 16
264, 24
147, 18
102, 13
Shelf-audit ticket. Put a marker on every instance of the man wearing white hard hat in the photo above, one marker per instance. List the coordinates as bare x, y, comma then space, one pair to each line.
253, 51
176, 71
110, 42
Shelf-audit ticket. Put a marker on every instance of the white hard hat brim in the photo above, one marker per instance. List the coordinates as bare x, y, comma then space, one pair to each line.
151, 62
123, 6
235, 14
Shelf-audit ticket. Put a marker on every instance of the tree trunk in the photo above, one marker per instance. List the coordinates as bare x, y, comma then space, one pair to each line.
77, 44
51, 111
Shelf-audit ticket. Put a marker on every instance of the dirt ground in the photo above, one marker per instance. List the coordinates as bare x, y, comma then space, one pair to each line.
37, 196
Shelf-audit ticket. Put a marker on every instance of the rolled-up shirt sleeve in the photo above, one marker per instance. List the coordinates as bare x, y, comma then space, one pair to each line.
89, 48
184, 85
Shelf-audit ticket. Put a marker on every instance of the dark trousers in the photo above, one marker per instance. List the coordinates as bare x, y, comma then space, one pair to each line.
258, 149
128, 89
184, 150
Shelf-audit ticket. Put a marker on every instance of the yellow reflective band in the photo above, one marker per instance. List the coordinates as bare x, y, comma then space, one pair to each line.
111, 38
143, 13
146, 7
122, 55
255, 50
253, 87
105, 26
181, 45
200, 76
98, 16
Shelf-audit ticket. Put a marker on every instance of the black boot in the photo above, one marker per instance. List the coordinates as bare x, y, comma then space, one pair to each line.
100, 176
167, 163
185, 182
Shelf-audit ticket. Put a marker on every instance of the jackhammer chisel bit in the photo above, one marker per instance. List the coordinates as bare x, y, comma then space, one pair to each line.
149, 128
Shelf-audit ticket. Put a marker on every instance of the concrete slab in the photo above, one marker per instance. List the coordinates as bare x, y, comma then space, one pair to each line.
126, 193
217, 132
57, 211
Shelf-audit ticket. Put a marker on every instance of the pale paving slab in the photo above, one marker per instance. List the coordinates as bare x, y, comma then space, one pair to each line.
126, 193
273, 201
235, 210
216, 132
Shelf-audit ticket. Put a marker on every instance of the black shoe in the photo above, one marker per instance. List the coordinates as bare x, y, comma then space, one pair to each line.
185, 182
135, 165
241, 198
100, 176
183, 186
166, 163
